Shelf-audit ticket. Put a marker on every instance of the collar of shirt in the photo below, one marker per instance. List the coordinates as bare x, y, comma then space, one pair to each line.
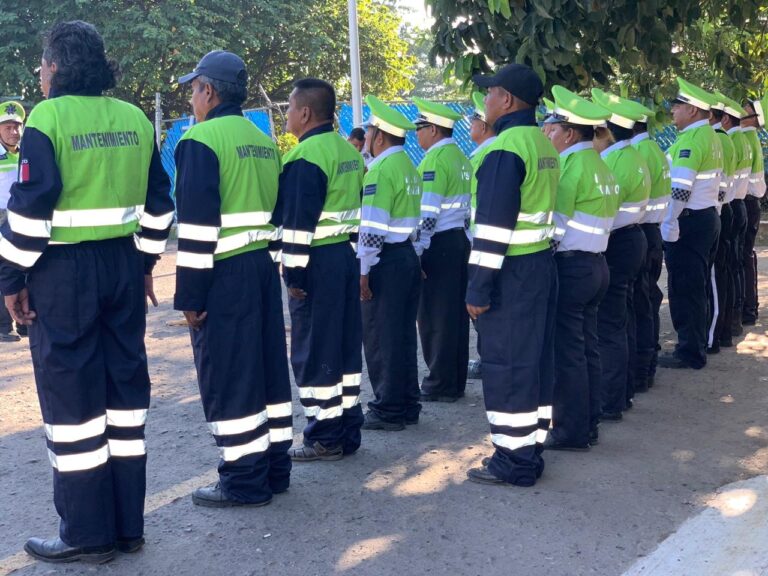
578, 147
614, 147
697, 124
55, 93
717, 126
482, 145
386, 154
440, 144
746, 128
322, 129
525, 117
733, 129
224, 109
639, 138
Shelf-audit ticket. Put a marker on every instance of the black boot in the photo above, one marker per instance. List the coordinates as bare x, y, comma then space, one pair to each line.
56, 550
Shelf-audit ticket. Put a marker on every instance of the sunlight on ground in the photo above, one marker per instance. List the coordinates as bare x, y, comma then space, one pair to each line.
365, 550
734, 502
754, 344
683, 455
757, 463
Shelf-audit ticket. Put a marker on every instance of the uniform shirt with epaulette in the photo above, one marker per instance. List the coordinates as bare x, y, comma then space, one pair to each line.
391, 205
227, 173
9, 167
742, 152
587, 200
123, 192
697, 161
320, 198
634, 181
475, 160
516, 192
658, 167
729, 165
446, 188
756, 185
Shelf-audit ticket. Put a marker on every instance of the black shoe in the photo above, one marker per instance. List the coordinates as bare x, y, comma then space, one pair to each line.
630, 404
641, 386
483, 476
672, 361
748, 321
594, 438
475, 370
9, 337
651, 381
427, 397
129, 546
316, 452
714, 349
411, 421
55, 550
213, 497
726, 343
736, 328
373, 421
22, 330
551, 444
611, 416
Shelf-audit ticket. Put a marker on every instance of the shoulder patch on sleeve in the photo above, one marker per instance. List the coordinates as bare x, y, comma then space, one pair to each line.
429, 176
685, 153
369, 190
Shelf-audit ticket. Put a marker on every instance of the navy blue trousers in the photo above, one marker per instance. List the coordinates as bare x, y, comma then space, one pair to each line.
720, 290
242, 370
625, 256
738, 234
389, 333
518, 333
751, 304
583, 281
87, 346
326, 342
654, 262
443, 320
642, 314
688, 271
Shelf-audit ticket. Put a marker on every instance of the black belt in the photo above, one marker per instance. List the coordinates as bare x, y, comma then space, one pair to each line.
572, 253
691, 212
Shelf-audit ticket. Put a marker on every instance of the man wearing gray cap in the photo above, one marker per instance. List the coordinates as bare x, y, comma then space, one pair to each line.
228, 287
512, 289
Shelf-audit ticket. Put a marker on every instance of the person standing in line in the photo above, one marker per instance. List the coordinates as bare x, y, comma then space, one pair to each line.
11, 121
512, 290
390, 274
755, 191
87, 219
443, 247
587, 203
482, 135
648, 280
617, 323
320, 194
691, 225
228, 287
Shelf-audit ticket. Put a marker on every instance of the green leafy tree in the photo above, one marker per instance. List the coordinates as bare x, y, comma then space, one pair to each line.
156, 41
581, 43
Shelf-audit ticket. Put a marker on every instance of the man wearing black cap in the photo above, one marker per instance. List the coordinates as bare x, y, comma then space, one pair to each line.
512, 289
228, 287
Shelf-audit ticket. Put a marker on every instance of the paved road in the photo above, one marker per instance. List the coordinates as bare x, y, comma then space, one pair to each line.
401, 506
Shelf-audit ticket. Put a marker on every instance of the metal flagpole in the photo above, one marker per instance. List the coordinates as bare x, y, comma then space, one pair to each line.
354, 59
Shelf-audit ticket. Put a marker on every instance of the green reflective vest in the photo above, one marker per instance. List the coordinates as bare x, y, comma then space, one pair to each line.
634, 180
249, 168
343, 166
9, 165
661, 182
103, 150
476, 160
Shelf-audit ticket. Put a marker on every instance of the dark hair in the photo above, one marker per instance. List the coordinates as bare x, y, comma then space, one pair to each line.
584, 132
390, 139
619, 133
228, 92
357, 134
717, 114
318, 95
445, 132
640, 127
734, 120
82, 66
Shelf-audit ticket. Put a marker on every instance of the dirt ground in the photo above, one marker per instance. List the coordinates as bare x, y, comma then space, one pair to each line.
402, 505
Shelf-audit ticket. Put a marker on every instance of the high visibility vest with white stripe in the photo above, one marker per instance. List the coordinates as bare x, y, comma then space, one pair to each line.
115, 140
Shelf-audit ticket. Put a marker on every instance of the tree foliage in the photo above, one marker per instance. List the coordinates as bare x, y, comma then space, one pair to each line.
581, 43
156, 41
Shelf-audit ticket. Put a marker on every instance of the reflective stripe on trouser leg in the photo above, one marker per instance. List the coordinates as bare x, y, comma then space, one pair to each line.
518, 350
240, 356
750, 305
325, 347
97, 497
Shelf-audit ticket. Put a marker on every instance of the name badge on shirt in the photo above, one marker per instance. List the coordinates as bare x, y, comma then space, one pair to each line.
685, 154
429, 176
369, 190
